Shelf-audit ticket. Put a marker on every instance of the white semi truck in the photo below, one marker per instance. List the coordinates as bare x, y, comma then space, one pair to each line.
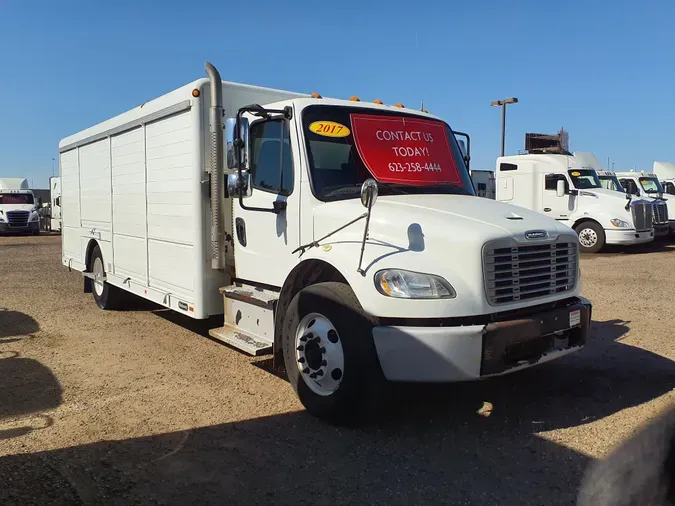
276, 222
660, 220
559, 186
18, 208
647, 185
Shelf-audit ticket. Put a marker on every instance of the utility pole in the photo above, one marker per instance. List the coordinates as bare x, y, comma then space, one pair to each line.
503, 104
53, 160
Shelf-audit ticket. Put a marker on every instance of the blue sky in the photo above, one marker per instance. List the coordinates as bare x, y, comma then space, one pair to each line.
602, 69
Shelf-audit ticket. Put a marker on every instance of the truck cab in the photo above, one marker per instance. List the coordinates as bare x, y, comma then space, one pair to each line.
660, 220
647, 185
18, 208
557, 186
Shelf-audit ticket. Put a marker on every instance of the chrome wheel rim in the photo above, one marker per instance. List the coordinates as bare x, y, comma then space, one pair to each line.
319, 354
97, 271
588, 238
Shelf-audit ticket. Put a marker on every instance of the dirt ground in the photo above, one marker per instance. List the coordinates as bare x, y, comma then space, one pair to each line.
139, 407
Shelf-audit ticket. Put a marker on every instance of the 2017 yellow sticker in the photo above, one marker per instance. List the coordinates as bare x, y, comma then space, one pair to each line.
329, 129
576, 174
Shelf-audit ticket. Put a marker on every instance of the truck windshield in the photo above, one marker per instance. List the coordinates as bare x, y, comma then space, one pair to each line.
16, 198
651, 185
406, 154
611, 183
583, 179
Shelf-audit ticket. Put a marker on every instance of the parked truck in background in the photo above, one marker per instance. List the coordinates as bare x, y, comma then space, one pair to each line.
344, 237
665, 171
646, 184
660, 220
18, 209
551, 180
484, 183
55, 203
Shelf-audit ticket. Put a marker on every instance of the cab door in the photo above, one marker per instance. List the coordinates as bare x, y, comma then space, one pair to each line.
264, 240
558, 207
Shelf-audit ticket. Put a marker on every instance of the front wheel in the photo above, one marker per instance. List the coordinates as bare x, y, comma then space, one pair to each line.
591, 236
329, 353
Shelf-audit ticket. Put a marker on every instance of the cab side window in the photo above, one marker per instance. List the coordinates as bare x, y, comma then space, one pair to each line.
271, 164
551, 182
630, 186
669, 188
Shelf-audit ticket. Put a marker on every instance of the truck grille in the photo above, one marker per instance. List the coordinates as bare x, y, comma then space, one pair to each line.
17, 218
529, 272
660, 213
642, 215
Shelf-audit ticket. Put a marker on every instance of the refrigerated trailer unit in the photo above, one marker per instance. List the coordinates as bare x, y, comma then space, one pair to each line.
344, 237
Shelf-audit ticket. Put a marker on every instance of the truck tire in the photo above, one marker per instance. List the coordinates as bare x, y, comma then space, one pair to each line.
106, 295
330, 355
591, 236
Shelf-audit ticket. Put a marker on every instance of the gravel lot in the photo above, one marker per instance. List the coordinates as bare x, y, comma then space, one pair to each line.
140, 407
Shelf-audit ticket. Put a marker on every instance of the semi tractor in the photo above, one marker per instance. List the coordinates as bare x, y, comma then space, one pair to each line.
343, 237
18, 208
647, 185
660, 220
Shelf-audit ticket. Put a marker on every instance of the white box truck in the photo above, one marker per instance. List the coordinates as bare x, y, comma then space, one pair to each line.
275, 221
559, 186
55, 203
18, 208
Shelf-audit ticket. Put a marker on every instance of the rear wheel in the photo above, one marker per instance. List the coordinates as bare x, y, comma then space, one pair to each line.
591, 236
329, 353
106, 295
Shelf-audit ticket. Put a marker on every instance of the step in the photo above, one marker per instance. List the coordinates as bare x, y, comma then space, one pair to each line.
265, 299
235, 337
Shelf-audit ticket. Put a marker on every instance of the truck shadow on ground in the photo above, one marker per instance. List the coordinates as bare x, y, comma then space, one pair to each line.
14, 326
27, 387
437, 445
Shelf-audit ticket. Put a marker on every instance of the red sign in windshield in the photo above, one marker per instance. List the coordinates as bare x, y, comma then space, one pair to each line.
405, 150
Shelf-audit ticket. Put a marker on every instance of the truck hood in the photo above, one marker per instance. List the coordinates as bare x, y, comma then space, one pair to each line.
16, 207
456, 216
444, 235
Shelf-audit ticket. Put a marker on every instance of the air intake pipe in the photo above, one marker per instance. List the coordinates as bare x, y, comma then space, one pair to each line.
217, 157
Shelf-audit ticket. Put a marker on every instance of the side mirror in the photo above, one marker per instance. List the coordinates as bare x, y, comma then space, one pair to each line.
239, 185
462, 146
560, 188
369, 193
231, 144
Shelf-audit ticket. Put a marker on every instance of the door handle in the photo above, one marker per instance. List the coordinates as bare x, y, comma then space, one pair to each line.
547, 209
240, 226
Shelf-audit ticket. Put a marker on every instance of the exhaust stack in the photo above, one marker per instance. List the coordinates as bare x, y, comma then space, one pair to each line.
217, 157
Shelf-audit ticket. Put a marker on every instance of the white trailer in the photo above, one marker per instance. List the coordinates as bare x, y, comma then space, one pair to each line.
268, 226
55, 203
484, 183
18, 208
559, 186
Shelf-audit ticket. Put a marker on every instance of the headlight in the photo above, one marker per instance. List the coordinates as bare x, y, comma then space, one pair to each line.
412, 285
34, 216
619, 223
